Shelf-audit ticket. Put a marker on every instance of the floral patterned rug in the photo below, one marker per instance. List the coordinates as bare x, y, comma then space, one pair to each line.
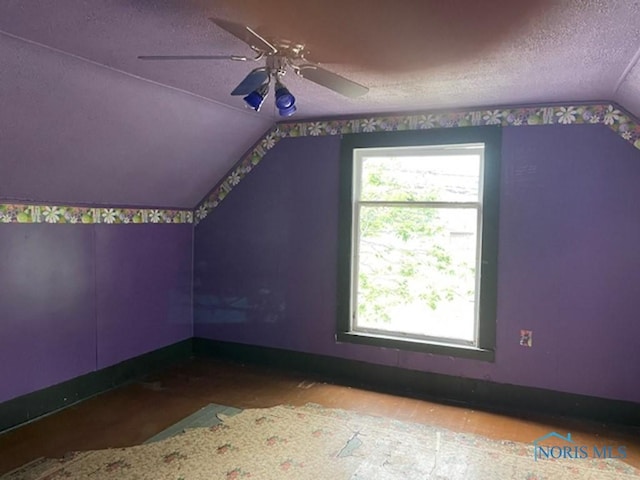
316, 443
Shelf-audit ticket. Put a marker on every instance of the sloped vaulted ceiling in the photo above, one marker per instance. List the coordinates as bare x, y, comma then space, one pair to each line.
82, 121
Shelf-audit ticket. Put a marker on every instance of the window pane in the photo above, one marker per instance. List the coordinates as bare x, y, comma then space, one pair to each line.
416, 271
449, 178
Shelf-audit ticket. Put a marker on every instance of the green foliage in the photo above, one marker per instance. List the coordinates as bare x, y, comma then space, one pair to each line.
404, 256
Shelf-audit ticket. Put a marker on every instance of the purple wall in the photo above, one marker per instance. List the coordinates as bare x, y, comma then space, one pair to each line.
76, 298
569, 262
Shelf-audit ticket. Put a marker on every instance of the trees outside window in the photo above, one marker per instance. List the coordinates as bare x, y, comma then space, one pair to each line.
419, 240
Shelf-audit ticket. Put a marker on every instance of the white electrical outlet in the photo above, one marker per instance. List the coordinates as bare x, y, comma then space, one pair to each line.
526, 338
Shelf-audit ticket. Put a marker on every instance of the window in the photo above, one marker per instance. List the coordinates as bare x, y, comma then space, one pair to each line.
418, 240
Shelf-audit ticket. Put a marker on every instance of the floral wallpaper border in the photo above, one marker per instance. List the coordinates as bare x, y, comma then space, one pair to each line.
604, 114
22, 213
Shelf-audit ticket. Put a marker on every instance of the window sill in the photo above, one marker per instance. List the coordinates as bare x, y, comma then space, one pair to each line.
413, 345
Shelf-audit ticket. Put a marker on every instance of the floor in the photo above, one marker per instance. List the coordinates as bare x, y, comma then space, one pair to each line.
130, 415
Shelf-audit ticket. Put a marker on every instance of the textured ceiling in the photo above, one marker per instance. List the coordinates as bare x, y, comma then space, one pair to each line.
82, 120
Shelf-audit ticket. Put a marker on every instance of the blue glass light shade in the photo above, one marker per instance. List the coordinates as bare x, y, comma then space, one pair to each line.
284, 99
256, 98
285, 102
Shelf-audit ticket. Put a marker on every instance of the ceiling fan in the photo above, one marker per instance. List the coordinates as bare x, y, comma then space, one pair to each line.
279, 56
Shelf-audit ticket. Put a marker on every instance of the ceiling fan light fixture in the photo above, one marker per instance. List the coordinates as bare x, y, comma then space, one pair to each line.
285, 101
256, 98
279, 56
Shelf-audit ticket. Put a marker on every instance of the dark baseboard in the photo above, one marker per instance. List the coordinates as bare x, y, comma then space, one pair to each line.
32, 405
472, 393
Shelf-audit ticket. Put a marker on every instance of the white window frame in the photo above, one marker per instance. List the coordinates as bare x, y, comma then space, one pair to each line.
359, 156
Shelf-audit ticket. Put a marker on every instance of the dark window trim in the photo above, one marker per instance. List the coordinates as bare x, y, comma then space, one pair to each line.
491, 136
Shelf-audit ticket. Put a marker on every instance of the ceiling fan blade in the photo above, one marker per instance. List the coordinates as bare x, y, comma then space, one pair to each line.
332, 81
256, 77
193, 57
246, 34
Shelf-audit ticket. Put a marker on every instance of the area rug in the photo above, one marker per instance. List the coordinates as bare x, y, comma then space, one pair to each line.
316, 443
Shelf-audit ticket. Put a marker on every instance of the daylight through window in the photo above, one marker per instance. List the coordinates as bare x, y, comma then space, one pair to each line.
419, 246
417, 215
